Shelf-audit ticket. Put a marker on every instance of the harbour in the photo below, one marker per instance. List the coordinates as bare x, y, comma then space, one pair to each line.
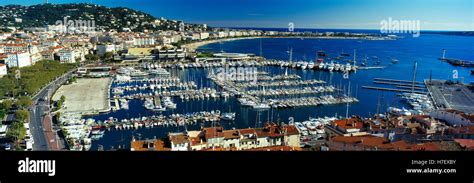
280, 91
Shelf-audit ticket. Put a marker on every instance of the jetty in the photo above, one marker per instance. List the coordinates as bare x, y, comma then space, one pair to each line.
394, 89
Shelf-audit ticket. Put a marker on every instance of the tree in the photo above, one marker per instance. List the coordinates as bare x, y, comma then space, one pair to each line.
24, 102
61, 101
22, 115
16, 130
92, 57
7, 104
108, 55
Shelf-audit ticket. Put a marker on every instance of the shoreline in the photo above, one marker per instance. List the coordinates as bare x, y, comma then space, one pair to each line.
194, 46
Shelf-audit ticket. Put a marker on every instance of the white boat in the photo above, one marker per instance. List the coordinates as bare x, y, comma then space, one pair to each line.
331, 67
261, 106
228, 116
321, 65
337, 67
311, 65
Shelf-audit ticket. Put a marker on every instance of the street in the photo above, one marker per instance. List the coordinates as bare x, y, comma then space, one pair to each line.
42, 130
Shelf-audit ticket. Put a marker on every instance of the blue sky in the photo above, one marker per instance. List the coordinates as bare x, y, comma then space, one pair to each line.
347, 14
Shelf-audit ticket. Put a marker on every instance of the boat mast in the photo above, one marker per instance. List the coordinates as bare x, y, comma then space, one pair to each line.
347, 104
355, 57
414, 77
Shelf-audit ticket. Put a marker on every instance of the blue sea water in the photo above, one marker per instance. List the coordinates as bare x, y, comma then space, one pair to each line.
425, 50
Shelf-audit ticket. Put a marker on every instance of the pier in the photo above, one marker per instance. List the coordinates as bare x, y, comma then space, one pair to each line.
397, 81
393, 89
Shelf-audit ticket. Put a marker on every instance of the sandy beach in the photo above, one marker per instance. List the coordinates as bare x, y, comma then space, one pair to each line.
196, 45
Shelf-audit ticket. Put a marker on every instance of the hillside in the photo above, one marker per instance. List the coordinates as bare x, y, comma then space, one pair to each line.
105, 18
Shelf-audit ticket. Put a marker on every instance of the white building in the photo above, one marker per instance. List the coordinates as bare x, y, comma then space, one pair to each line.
144, 41
3, 70
454, 117
69, 55
18, 60
204, 35
231, 139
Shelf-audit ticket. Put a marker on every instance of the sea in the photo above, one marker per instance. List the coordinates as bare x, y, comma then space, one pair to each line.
424, 50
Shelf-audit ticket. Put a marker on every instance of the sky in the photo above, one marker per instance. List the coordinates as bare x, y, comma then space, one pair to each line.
331, 14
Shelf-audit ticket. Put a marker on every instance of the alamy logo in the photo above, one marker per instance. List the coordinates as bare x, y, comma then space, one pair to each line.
75, 26
392, 26
237, 74
37, 166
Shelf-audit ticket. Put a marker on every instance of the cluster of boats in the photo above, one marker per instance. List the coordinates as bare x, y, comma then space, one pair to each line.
283, 83
296, 102
331, 66
419, 102
163, 86
312, 129
293, 91
155, 104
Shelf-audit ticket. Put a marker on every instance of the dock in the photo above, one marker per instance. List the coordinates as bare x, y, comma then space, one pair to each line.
374, 67
397, 80
458, 62
393, 89
398, 84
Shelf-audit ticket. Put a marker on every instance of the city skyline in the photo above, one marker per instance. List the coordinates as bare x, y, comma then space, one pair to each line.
365, 14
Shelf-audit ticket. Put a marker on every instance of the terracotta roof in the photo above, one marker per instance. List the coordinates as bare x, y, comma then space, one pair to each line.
231, 134
149, 145
383, 144
274, 148
213, 132
178, 138
291, 130
466, 143
247, 131
351, 123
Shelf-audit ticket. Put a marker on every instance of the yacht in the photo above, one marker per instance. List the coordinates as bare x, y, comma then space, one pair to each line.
331, 67
311, 65
321, 65
261, 106
337, 67
228, 116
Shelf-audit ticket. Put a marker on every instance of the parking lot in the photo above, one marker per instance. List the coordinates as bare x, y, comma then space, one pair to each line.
452, 96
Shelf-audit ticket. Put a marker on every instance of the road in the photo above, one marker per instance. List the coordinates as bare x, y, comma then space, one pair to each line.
39, 130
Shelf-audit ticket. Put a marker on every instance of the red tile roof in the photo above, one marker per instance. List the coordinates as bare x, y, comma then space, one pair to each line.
351, 123
383, 144
466, 143
247, 131
213, 132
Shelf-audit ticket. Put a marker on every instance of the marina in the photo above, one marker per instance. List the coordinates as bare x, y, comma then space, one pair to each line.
283, 88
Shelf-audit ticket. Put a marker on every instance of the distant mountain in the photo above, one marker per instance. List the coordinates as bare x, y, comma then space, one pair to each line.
104, 17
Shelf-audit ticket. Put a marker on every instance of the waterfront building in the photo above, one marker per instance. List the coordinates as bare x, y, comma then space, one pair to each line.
454, 117
231, 139
349, 126
373, 143
148, 145
292, 136
179, 142
248, 139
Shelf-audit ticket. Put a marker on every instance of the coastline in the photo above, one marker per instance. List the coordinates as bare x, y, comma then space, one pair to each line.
196, 45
